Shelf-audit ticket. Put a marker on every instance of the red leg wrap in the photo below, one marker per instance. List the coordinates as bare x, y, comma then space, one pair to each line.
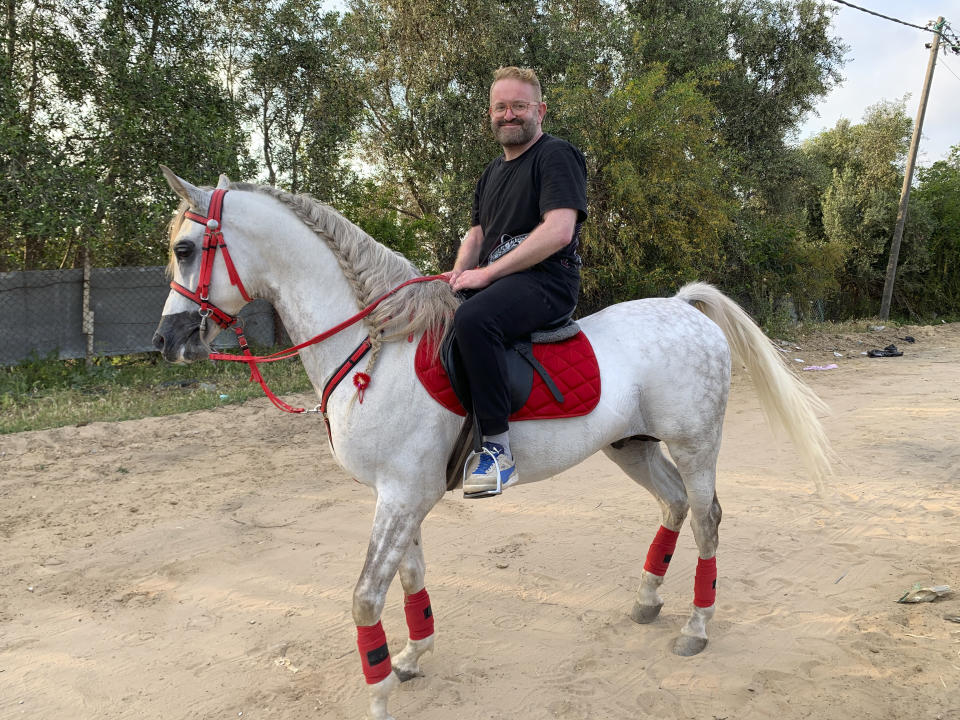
661, 551
705, 583
374, 654
419, 615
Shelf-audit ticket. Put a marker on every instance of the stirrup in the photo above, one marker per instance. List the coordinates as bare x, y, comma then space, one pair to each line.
483, 493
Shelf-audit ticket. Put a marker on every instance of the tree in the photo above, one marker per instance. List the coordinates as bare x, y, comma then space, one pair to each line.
96, 96
763, 64
859, 200
858, 178
938, 195
40, 88
298, 91
657, 208
155, 100
680, 107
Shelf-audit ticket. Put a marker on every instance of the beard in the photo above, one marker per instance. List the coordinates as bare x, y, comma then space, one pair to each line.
514, 132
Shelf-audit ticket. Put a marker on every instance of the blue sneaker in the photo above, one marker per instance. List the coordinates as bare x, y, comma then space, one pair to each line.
483, 480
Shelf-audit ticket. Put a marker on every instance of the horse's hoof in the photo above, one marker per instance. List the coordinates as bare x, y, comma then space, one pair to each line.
644, 614
405, 675
687, 645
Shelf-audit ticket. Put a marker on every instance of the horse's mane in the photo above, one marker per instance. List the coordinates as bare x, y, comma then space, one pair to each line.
370, 268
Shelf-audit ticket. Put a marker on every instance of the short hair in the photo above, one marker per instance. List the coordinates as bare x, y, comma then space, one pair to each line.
522, 74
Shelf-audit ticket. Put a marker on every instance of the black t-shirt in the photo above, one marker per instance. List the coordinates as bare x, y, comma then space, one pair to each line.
512, 196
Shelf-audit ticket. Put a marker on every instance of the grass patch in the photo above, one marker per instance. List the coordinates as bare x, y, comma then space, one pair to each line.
42, 393
782, 326
798, 332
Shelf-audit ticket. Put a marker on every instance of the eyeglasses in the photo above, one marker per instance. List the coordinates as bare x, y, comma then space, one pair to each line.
518, 107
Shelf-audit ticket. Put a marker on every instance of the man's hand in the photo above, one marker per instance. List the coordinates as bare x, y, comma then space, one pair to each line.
475, 279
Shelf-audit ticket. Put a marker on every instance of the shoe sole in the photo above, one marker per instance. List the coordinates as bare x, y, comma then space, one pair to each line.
481, 494
490, 491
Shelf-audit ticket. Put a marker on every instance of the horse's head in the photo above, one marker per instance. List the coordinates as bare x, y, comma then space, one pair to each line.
206, 293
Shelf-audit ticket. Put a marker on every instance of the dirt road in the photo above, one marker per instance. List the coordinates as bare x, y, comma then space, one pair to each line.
202, 565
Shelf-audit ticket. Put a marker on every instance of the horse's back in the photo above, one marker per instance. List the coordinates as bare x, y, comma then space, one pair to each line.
665, 358
661, 330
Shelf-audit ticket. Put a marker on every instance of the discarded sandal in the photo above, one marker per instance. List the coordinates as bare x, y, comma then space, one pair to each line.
888, 351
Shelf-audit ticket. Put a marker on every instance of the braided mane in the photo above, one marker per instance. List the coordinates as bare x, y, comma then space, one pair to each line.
371, 269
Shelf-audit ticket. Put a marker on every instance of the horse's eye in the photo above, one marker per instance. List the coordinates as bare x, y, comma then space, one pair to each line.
183, 249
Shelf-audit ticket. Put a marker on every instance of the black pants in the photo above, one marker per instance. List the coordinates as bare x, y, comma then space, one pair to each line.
509, 309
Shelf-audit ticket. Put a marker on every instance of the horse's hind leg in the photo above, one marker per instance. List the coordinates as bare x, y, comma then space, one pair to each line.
645, 463
698, 468
416, 606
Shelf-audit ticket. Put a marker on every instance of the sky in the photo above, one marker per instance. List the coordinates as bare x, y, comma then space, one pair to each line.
885, 61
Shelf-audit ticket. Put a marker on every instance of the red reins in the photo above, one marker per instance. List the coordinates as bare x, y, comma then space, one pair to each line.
213, 241
290, 352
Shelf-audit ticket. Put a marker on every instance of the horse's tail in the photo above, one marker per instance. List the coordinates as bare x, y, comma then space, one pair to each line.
787, 402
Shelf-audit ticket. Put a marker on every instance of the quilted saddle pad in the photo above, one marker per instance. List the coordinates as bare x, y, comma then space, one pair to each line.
571, 364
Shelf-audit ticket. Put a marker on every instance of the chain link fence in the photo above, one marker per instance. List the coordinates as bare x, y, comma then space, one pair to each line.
97, 311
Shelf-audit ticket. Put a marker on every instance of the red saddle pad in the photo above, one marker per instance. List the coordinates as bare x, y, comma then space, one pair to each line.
571, 364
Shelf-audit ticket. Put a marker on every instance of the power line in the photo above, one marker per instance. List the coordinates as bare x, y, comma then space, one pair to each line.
951, 41
944, 63
885, 17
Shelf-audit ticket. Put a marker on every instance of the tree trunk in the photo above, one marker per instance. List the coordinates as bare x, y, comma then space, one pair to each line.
11, 41
267, 152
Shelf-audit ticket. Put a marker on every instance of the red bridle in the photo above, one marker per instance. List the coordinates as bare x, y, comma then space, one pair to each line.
212, 241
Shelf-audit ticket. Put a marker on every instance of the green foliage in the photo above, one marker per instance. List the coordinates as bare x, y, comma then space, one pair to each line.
46, 392
684, 110
764, 63
857, 177
99, 94
937, 283
656, 206
298, 92
776, 269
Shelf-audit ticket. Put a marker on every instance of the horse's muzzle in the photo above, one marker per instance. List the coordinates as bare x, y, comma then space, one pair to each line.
178, 338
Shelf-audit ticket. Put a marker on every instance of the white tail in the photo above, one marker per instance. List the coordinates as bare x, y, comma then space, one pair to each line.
787, 402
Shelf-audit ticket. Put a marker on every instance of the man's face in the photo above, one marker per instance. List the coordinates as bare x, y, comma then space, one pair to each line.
510, 127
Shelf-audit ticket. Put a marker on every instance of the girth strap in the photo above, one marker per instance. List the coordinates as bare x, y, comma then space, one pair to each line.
525, 351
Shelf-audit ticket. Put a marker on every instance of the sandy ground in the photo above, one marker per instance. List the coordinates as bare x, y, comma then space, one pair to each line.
201, 566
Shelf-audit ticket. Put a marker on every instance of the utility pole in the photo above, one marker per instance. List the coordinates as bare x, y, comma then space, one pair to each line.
908, 176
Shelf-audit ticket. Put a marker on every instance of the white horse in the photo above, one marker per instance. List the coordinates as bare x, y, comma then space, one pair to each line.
664, 367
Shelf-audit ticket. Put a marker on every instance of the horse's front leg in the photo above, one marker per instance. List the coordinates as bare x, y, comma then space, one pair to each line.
395, 525
419, 614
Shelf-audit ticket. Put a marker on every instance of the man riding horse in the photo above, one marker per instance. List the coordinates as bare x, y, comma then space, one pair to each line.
518, 262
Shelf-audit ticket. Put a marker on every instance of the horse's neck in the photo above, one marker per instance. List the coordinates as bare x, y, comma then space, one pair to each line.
311, 295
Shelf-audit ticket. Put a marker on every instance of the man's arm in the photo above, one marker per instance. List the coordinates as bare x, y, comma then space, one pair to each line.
469, 253
550, 236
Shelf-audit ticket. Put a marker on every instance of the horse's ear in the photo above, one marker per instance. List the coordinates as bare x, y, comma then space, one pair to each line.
223, 183
197, 198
